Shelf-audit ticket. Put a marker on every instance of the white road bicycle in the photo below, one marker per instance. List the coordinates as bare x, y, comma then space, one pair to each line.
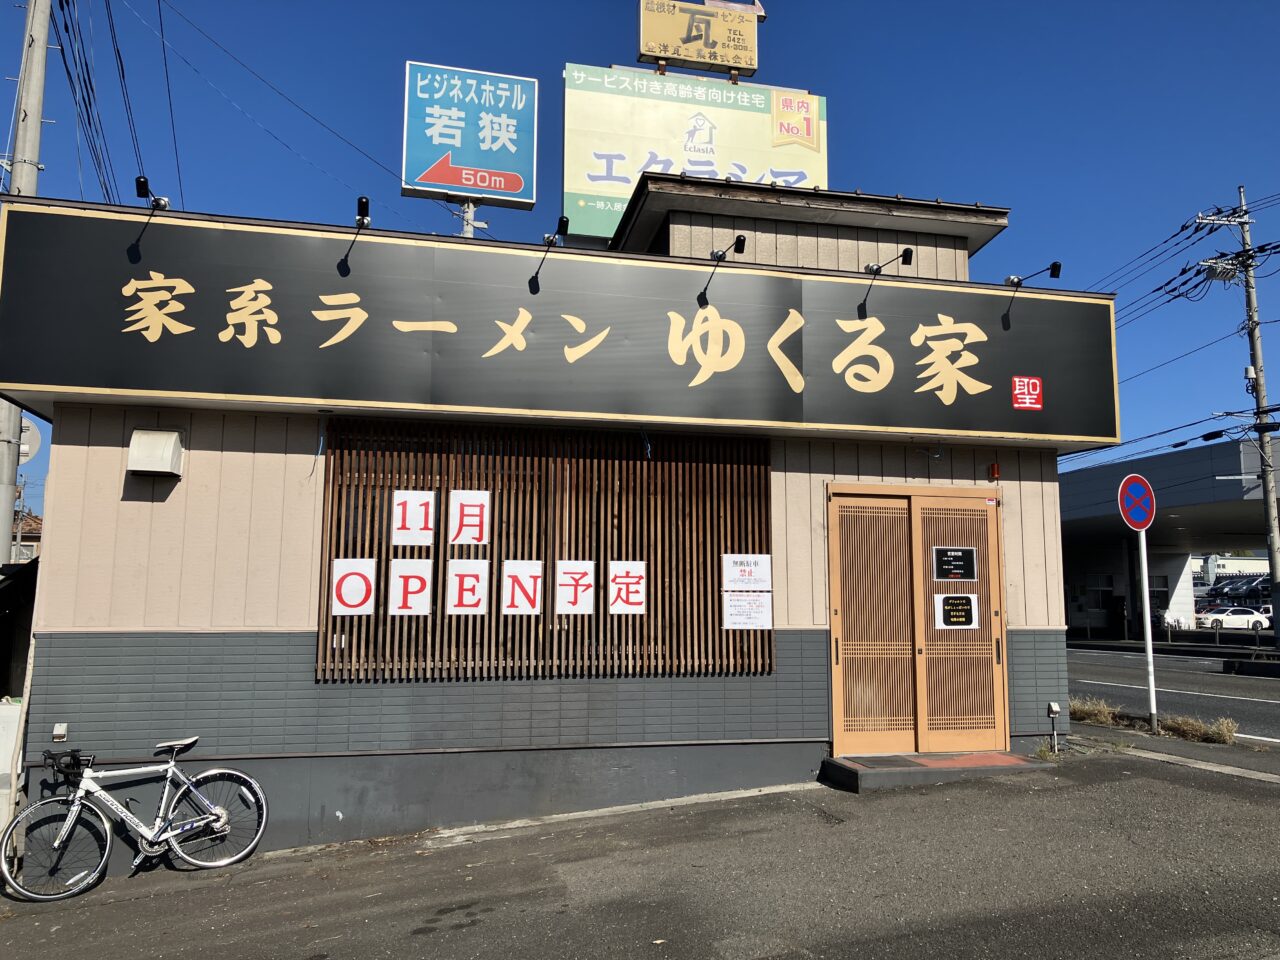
59, 847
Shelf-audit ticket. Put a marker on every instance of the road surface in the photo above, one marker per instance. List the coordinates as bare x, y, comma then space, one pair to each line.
1191, 686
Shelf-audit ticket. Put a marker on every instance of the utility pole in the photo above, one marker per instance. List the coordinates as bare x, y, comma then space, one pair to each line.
23, 172
1260, 415
1227, 268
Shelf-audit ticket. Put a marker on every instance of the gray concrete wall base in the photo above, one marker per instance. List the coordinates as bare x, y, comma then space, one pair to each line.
317, 800
1037, 675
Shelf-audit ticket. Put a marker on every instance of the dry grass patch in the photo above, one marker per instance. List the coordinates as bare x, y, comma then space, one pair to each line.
1094, 710
1222, 730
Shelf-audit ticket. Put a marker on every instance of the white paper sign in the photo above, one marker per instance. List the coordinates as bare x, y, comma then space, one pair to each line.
628, 586
955, 611
748, 610
469, 517
413, 518
409, 593
746, 571
351, 593
575, 586
467, 587
522, 587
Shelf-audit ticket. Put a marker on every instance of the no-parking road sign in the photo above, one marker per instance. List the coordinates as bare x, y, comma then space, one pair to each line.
1137, 501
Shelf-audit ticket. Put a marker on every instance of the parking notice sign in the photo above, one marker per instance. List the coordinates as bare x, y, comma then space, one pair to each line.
469, 134
1137, 501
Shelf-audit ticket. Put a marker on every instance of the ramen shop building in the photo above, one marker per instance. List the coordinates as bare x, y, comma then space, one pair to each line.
418, 546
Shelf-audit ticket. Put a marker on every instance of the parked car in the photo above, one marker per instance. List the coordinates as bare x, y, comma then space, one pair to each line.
1248, 587
1264, 609
1222, 585
1233, 618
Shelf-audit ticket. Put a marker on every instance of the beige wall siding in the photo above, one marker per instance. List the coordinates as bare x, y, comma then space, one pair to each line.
234, 543
781, 244
1028, 491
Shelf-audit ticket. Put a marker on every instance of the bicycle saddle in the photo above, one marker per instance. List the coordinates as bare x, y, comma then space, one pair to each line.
177, 746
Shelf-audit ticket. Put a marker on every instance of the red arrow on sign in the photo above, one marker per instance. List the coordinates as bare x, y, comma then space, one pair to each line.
443, 171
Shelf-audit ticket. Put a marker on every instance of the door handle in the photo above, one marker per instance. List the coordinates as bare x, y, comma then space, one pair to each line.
835, 645
998, 659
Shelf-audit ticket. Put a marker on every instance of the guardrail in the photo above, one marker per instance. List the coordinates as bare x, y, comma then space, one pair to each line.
1263, 640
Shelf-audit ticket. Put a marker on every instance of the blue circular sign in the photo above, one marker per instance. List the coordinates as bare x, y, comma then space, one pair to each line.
1137, 501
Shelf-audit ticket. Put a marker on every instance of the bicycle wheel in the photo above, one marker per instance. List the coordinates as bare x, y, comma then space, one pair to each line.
35, 870
241, 808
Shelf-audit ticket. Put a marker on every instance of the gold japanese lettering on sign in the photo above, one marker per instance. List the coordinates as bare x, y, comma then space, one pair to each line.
152, 315
873, 375
249, 311
717, 342
700, 37
945, 375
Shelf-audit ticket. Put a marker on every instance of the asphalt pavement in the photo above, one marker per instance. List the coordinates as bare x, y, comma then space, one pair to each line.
1107, 855
1190, 686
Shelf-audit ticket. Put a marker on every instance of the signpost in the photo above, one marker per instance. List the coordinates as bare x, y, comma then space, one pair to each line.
1137, 502
469, 136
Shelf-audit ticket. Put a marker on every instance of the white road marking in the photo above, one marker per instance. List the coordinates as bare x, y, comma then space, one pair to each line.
1143, 656
1250, 736
1189, 693
1203, 765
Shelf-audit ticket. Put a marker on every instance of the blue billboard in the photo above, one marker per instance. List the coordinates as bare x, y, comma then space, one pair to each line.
469, 134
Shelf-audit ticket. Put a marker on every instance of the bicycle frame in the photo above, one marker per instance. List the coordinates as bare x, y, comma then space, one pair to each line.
163, 827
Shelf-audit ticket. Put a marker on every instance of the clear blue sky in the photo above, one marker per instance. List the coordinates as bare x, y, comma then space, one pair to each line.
1104, 126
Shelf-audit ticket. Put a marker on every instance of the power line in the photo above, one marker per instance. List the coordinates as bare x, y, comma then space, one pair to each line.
173, 126
254, 120
294, 103
1181, 356
124, 87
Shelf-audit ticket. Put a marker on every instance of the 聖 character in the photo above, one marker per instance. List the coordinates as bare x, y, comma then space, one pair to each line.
944, 375
497, 132
717, 342
352, 314
512, 334
574, 354
794, 378
152, 315
444, 125
874, 374
249, 309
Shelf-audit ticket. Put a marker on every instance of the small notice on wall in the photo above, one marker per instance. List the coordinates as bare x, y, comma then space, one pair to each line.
747, 571
955, 611
747, 610
955, 563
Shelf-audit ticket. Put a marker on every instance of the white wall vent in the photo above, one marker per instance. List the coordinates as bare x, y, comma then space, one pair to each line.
156, 452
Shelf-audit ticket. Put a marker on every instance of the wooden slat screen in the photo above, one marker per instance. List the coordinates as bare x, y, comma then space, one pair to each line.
676, 502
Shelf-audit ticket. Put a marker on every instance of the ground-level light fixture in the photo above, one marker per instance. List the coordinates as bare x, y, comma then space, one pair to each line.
739, 248
562, 230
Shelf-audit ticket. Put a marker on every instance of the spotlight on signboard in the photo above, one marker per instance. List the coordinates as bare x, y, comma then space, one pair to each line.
142, 187
562, 231
875, 269
362, 213
739, 248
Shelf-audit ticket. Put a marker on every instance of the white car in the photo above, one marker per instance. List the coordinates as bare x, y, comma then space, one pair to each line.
1239, 618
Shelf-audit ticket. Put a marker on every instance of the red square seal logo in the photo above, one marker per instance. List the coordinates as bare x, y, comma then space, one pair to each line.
1028, 393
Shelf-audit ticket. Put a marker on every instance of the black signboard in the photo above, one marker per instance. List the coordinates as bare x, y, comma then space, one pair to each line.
100, 302
957, 611
955, 563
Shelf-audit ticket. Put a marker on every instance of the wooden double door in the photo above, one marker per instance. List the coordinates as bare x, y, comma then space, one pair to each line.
917, 626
